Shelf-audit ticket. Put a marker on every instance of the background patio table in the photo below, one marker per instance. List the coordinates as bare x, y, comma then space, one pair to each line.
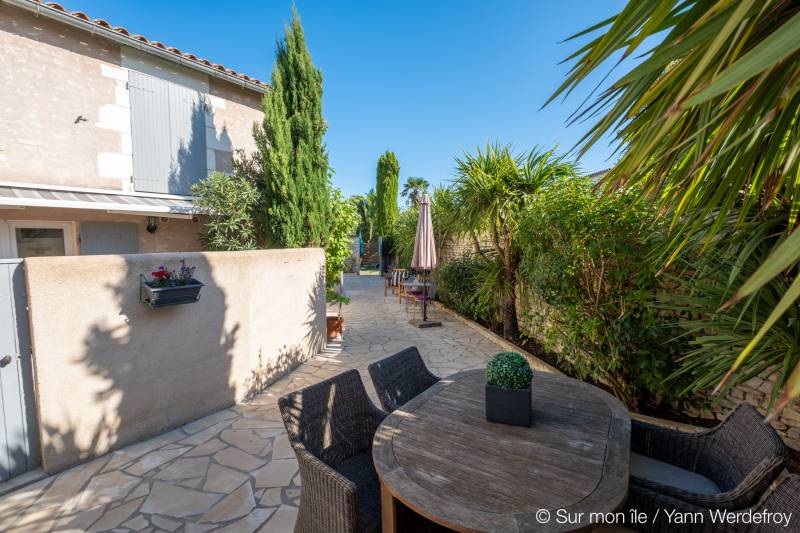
412, 286
439, 456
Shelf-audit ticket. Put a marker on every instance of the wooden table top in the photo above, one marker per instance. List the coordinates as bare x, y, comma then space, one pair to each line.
440, 457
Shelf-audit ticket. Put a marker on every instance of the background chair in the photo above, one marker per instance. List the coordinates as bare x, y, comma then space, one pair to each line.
402, 290
727, 467
414, 300
331, 426
400, 377
393, 279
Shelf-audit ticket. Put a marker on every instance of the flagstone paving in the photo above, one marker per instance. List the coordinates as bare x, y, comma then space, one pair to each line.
233, 470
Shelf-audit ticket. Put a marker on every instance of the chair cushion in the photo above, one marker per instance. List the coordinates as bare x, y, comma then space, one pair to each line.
656, 471
360, 470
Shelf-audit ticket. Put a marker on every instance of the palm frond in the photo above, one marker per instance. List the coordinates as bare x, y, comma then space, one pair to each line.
707, 124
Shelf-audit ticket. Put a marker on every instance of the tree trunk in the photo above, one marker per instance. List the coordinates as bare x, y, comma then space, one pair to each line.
510, 324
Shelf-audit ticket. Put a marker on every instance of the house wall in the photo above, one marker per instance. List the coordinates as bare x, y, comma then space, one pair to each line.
172, 235
65, 105
141, 370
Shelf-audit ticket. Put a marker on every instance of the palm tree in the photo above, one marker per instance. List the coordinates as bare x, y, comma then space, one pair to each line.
414, 189
707, 124
491, 189
367, 213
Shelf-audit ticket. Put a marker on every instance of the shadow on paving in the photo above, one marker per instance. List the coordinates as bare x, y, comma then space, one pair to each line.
234, 467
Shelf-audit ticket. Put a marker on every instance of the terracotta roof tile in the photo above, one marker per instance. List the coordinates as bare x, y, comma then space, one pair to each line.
123, 31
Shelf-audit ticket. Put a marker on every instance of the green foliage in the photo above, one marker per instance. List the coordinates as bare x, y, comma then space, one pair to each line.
491, 189
229, 203
414, 189
344, 221
708, 118
588, 272
292, 156
703, 283
457, 283
334, 297
405, 232
386, 185
367, 214
508, 370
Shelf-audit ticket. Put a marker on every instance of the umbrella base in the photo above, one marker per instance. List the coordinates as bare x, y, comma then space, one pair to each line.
417, 323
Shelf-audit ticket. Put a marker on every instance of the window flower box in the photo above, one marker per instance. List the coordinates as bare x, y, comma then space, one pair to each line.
170, 287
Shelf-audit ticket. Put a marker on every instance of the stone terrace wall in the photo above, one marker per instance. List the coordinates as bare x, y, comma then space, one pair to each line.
457, 247
755, 391
110, 371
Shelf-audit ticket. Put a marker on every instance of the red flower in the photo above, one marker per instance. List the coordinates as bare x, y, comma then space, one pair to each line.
161, 274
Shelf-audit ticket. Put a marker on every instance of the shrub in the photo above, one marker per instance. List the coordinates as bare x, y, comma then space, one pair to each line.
457, 283
343, 224
230, 202
589, 260
405, 232
508, 370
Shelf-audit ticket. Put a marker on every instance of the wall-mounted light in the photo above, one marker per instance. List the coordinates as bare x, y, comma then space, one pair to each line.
151, 224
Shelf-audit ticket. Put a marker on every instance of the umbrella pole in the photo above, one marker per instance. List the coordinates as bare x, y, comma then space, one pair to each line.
425, 296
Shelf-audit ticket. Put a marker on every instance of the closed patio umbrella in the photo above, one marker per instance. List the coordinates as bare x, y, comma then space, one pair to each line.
424, 258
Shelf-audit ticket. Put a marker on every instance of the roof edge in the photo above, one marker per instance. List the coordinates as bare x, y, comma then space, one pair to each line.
65, 17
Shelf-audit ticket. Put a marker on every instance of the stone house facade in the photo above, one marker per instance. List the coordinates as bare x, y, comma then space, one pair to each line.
102, 134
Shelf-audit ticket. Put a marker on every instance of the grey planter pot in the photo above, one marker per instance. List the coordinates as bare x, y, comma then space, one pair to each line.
167, 296
508, 406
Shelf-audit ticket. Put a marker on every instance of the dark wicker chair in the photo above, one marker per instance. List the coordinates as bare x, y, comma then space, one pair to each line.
400, 377
331, 426
742, 456
785, 498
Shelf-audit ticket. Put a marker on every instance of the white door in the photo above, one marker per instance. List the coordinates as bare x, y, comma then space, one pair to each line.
31, 238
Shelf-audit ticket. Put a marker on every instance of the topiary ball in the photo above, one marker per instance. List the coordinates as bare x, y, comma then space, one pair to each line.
509, 370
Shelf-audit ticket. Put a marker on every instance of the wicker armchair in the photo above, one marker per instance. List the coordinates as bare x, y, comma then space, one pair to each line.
400, 377
785, 498
742, 456
331, 426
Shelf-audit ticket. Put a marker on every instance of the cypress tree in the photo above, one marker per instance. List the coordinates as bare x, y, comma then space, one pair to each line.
386, 187
293, 159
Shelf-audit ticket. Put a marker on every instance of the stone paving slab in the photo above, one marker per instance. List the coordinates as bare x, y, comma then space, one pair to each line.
233, 470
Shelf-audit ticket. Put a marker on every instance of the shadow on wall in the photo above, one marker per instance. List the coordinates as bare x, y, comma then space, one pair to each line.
289, 357
191, 157
178, 348
162, 368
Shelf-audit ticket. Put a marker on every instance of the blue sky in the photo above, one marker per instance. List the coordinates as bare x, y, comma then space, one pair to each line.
426, 79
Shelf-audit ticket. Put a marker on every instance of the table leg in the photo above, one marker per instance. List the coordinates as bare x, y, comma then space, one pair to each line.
388, 511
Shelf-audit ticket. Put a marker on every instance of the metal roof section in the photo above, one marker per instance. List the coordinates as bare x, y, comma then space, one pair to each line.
16, 196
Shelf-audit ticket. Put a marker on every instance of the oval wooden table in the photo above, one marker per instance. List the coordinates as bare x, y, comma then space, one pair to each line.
439, 456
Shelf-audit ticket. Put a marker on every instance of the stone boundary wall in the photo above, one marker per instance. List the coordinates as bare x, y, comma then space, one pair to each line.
110, 371
756, 391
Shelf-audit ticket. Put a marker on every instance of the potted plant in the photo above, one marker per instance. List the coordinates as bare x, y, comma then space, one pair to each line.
170, 287
508, 389
335, 324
